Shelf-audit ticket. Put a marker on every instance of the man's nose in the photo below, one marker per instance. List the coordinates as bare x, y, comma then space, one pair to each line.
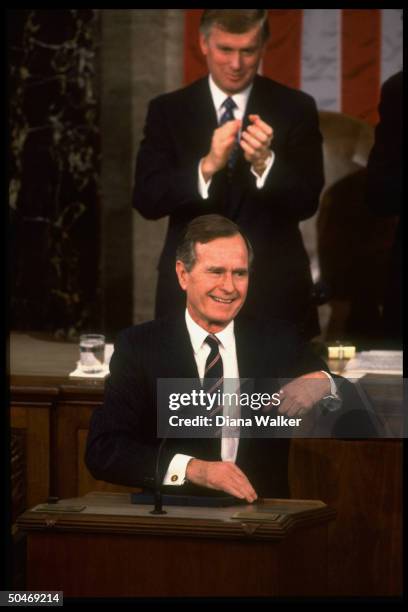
228, 284
236, 60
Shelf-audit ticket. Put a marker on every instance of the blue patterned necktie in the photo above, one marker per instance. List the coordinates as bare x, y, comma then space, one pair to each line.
228, 115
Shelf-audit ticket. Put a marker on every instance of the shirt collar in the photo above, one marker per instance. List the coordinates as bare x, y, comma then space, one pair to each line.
219, 96
198, 334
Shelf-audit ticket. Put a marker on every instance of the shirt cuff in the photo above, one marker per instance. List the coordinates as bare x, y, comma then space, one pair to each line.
332, 402
203, 187
176, 472
260, 180
333, 388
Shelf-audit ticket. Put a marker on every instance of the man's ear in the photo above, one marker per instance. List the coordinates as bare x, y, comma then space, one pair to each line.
181, 274
203, 44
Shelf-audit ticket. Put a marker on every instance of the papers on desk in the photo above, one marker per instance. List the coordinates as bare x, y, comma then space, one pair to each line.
374, 362
78, 373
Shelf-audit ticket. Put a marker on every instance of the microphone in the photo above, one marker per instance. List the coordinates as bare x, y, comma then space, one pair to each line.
158, 502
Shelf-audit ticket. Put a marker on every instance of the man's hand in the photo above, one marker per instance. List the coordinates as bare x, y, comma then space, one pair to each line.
221, 475
300, 395
222, 143
255, 142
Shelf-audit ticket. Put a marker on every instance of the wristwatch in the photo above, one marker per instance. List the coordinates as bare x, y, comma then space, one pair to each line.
330, 403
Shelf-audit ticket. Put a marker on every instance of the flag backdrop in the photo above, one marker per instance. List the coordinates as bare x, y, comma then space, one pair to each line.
339, 56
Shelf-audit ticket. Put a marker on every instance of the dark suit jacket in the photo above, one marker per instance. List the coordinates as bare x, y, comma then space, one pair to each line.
178, 133
384, 197
122, 443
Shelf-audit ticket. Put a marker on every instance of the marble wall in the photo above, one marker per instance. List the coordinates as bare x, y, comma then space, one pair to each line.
54, 170
157, 67
141, 54
80, 82
116, 168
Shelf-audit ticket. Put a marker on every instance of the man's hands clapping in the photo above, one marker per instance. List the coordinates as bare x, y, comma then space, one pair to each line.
255, 142
222, 143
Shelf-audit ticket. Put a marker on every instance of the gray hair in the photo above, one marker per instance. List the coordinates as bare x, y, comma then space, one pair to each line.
204, 229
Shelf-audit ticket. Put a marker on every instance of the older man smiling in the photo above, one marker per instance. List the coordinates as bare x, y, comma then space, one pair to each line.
209, 339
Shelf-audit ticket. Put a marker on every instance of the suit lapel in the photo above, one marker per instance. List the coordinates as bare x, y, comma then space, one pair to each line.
201, 118
236, 186
178, 362
176, 352
244, 342
259, 101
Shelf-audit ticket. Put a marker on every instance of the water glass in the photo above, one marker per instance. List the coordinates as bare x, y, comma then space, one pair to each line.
91, 353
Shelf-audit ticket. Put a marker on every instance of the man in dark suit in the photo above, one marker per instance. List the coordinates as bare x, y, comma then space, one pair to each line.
213, 263
190, 164
384, 198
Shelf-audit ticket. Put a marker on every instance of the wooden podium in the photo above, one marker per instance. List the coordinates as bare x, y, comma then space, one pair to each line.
101, 545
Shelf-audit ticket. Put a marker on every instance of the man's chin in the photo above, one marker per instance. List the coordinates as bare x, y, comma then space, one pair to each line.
224, 316
233, 86
239, 84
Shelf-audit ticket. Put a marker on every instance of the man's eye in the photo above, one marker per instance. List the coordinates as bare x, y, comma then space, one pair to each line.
241, 273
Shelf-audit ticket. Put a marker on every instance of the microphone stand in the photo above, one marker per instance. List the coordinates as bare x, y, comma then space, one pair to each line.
158, 503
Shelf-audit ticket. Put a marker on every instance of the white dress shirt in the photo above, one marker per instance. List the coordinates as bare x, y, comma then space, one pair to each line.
241, 100
229, 445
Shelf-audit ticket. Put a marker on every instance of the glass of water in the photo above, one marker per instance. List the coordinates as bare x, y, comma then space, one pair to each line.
91, 353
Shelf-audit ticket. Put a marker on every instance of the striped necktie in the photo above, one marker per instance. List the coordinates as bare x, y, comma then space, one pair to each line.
213, 382
228, 115
214, 372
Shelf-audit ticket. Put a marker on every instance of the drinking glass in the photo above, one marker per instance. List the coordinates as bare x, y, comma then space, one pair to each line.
91, 353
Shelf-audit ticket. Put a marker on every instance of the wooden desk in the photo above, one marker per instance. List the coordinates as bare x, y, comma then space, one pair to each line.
115, 549
50, 414
361, 479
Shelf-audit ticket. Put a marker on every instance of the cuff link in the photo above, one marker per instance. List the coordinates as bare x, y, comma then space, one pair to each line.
174, 478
